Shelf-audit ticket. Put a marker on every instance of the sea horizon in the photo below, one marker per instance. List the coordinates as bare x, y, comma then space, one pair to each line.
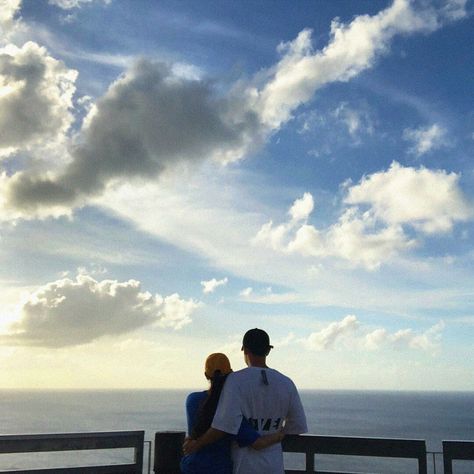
144, 389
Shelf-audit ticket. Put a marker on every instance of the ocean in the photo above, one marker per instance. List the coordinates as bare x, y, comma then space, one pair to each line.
432, 416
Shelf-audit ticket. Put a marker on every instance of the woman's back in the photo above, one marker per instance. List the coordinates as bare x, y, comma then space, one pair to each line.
214, 458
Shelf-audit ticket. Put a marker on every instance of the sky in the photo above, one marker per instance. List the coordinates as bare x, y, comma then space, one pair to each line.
173, 174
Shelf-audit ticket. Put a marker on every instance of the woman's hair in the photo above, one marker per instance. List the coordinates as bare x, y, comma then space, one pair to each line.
208, 407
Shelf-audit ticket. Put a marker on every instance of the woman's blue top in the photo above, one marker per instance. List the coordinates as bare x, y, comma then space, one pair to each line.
215, 457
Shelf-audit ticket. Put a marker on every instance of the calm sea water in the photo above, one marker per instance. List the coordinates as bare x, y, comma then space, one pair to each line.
418, 415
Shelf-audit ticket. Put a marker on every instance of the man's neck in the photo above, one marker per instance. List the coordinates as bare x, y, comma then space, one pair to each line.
257, 361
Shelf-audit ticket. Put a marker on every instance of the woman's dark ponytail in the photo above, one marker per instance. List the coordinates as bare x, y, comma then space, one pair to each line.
207, 409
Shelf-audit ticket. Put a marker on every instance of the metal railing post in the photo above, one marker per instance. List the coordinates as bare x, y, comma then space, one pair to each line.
168, 451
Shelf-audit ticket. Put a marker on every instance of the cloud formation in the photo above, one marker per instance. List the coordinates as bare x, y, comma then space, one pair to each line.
70, 312
350, 333
429, 200
352, 49
151, 119
327, 337
428, 340
356, 121
70, 4
210, 286
8, 10
426, 139
370, 229
36, 94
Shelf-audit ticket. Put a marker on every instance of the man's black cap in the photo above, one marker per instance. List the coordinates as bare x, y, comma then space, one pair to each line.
257, 342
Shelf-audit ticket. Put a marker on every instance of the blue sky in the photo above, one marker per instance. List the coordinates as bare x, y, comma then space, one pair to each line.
175, 173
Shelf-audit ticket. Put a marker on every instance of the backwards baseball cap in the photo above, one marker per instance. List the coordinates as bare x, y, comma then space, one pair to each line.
257, 341
217, 362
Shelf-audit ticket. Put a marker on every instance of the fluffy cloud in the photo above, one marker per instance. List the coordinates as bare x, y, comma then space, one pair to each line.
152, 118
425, 139
210, 286
429, 201
428, 340
72, 312
327, 337
353, 48
302, 208
8, 10
355, 238
35, 97
350, 333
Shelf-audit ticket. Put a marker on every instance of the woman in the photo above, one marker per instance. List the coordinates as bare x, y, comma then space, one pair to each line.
200, 410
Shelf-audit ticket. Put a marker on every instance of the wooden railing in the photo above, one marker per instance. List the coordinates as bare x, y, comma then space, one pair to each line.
77, 441
354, 446
456, 450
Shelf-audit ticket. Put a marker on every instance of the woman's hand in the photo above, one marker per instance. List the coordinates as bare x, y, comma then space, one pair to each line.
190, 446
267, 440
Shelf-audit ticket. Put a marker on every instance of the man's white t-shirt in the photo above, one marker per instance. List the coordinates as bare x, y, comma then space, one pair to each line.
268, 400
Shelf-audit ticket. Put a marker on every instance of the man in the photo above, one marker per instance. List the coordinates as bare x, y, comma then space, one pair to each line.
266, 398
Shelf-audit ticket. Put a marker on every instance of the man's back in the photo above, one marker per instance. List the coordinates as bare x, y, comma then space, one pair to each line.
268, 400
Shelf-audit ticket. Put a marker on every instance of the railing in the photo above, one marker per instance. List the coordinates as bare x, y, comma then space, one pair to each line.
354, 446
77, 441
168, 450
456, 450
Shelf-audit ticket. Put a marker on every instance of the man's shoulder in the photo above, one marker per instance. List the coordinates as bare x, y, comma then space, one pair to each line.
250, 373
237, 376
281, 378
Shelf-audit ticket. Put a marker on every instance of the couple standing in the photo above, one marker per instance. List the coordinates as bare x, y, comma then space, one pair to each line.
237, 425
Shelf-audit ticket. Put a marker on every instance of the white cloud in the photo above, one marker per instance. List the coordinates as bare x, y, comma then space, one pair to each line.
246, 292
353, 48
210, 286
429, 200
351, 334
270, 298
35, 97
357, 122
455, 9
72, 312
375, 339
69, 4
8, 11
327, 337
355, 238
302, 208
427, 341
426, 139
359, 239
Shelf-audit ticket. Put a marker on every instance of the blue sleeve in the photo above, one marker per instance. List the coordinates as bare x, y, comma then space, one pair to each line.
192, 405
247, 435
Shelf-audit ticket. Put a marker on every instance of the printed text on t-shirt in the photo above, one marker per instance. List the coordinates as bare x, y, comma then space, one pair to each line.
265, 424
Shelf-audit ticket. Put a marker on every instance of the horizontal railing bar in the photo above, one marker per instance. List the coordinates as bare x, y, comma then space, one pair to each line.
70, 441
118, 469
357, 446
463, 450
57, 442
296, 471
